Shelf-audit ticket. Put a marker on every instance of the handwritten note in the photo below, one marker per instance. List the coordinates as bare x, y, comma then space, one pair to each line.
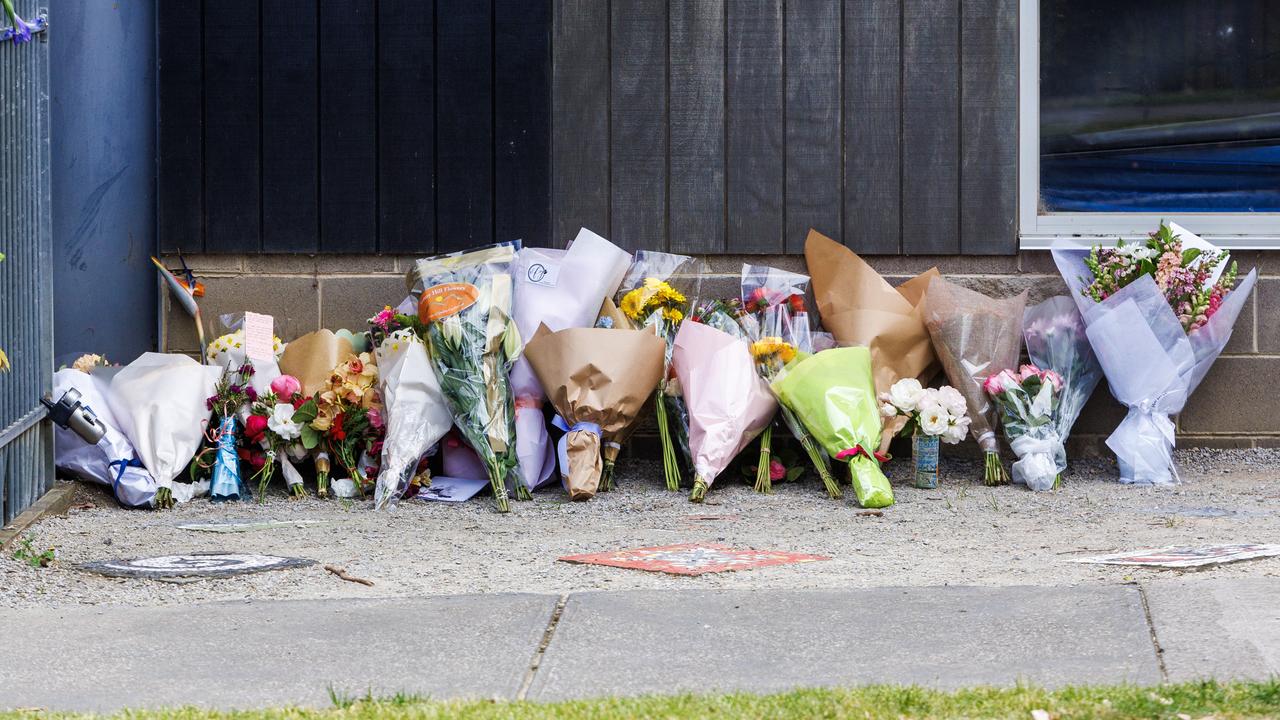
259, 336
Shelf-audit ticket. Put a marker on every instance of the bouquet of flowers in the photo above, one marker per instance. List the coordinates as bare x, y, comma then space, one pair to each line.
728, 402
1056, 340
648, 298
833, 395
927, 415
860, 307
345, 417
159, 401
1027, 399
598, 380
975, 337
464, 315
1157, 315
560, 289
112, 461
231, 395
275, 435
417, 416
777, 324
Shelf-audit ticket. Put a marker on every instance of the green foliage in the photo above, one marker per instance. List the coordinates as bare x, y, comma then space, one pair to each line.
24, 551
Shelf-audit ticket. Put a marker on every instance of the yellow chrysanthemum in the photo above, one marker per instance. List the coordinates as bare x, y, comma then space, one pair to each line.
633, 304
770, 347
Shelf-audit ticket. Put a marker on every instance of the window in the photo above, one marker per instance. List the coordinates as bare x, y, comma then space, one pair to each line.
1133, 111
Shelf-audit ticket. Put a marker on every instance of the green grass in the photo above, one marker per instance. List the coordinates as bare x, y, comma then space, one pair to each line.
1221, 701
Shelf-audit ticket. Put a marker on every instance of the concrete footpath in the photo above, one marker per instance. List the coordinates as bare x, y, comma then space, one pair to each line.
545, 647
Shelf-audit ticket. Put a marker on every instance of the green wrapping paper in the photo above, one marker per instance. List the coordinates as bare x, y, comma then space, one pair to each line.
834, 395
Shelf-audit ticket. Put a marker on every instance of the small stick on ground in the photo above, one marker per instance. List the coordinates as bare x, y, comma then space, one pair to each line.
871, 513
342, 574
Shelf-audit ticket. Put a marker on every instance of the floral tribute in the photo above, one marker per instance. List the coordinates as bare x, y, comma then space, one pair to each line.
934, 412
1185, 276
1027, 400
346, 418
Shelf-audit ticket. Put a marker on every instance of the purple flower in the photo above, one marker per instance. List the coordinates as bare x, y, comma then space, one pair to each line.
234, 389
253, 394
21, 30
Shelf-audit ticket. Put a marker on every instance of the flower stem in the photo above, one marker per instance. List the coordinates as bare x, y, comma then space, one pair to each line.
699, 492
606, 476
499, 488
264, 479
164, 498
522, 492
299, 490
994, 473
764, 484
670, 467
820, 465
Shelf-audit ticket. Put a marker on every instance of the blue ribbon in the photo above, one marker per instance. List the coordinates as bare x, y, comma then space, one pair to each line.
584, 426
124, 465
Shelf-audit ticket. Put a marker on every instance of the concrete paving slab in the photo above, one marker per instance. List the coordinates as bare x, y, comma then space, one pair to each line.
254, 654
1225, 628
639, 642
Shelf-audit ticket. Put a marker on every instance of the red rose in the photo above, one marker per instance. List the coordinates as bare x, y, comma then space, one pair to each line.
335, 430
255, 427
797, 303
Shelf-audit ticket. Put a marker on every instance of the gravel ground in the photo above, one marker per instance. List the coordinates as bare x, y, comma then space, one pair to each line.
962, 533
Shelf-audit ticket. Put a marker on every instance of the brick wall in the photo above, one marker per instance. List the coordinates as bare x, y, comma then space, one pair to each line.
1234, 407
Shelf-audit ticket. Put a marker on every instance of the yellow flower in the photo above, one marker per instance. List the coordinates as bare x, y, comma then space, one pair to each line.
633, 304
767, 348
672, 315
4, 362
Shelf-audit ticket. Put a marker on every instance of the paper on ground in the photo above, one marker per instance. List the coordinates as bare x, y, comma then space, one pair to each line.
1185, 556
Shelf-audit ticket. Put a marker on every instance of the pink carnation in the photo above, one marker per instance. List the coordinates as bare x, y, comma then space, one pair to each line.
1053, 377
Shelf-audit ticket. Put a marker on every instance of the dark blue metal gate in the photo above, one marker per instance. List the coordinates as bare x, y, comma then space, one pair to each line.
26, 294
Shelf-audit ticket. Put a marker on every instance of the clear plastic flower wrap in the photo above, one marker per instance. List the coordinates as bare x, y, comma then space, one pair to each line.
975, 336
416, 413
464, 314
656, 293
1056, 340
1027, 400
1151, 362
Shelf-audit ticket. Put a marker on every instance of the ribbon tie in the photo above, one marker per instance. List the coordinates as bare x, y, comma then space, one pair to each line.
857, 450
1158, 417
124, 465
584, 426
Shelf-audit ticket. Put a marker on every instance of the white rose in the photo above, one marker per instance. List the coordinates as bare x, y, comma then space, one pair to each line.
934, 419
951, 399
888, 410
906, 394
281, 422
955, 434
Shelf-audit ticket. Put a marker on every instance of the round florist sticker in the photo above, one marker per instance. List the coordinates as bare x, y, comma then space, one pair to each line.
441, 301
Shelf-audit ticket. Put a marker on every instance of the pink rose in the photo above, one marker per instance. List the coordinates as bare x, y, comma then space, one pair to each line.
286, 386
777, 470
1053, 377
254, 427
1026, 372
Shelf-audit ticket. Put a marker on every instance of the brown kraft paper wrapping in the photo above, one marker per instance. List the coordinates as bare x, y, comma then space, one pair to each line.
859, 307
597, 375
312, 358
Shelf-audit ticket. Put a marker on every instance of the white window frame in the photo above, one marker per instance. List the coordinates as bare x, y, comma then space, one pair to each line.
1256, 231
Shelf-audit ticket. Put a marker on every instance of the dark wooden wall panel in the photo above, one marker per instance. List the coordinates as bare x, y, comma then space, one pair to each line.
464, 121
696, 203
406, 126
290, 139
232, 120
522, 121
638, 120
931, 127
180, 171
814, 196
873, 126
755, 126
580, 106
989, 125
348, 127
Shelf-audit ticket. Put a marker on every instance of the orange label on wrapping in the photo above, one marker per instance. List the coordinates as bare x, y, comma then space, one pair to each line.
441, 301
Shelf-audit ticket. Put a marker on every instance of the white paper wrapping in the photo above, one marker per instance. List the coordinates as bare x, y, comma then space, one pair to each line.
159, 402
414, 410
560, 289
107, 462
1151, 363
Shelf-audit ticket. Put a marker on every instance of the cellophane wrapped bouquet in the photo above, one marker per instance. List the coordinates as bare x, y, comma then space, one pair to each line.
275, 436
777, 323
975, 336
416, 415
834, 396
1157, 313
464, 315
1056, 340
655, 294
729, 404
1027, 400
